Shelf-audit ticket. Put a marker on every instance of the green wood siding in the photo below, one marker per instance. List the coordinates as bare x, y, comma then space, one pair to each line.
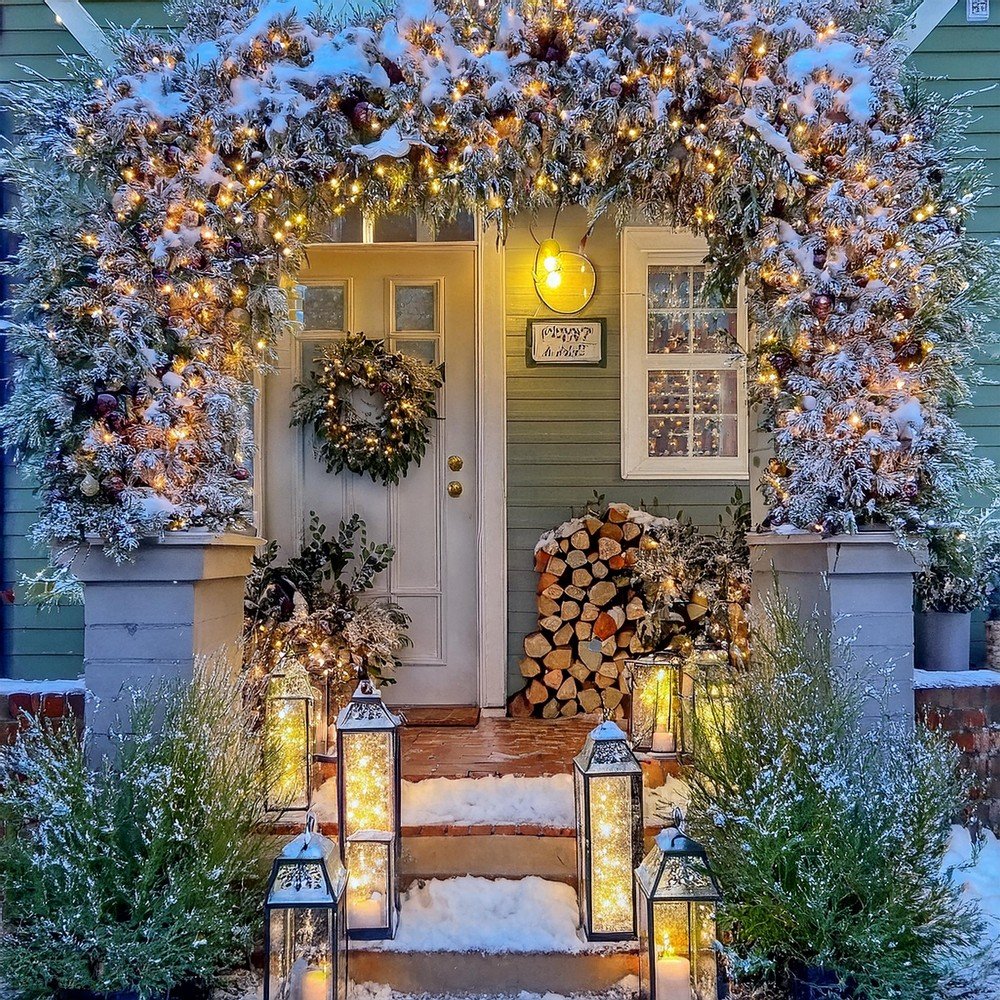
968, 55
34, 643
563, 425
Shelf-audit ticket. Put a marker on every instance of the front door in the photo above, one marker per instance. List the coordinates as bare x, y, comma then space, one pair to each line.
422, 299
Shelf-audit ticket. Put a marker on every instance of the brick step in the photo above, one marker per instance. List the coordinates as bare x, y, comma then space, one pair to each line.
449, 972
471, 920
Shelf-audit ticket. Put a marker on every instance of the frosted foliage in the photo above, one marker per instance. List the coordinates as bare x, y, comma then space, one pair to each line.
163, 209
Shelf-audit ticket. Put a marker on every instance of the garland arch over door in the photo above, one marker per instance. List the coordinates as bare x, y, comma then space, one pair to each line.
200, 166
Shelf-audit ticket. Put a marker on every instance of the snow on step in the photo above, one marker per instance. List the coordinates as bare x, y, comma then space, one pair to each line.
624, 990
489, 916
504, 800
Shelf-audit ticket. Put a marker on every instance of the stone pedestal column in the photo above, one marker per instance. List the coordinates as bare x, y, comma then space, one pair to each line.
860, 586
146, 621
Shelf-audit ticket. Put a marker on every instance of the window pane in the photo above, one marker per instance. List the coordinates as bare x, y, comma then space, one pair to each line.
415, 307
395, 229
679, 319
692, 413
668, 437
323, 306
426, 350
346, 227
461, 229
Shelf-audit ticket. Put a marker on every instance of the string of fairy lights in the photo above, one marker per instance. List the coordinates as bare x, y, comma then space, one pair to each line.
213, 155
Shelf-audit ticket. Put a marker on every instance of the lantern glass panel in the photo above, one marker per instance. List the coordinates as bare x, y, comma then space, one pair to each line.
610, 875
367, 764
371, 889
303, 961
662, 696
287, 741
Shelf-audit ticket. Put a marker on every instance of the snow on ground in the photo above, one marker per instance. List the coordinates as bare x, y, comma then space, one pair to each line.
923, 679
9, 686
625, 990
981, 880
501, 800
489, 916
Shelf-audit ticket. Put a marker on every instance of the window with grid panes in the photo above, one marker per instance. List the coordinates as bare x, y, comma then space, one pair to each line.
683, 364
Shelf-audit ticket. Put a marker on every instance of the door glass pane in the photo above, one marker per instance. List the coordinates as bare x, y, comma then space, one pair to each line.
324, 306
425, 349
415, 308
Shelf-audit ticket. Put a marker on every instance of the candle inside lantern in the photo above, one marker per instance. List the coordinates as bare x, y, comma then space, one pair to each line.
663, 741
673, 978
366, 911
315, 984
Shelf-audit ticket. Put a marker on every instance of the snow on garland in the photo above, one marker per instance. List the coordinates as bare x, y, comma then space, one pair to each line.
380, 446
163, 205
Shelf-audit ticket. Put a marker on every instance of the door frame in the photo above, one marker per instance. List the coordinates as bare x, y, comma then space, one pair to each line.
491, 466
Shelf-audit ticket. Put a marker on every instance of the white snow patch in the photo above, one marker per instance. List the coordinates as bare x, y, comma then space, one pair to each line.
504, 799
624, 990
490, 916
978, 869
927, 679
9, 685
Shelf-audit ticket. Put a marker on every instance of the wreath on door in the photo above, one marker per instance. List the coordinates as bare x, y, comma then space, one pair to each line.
370, 408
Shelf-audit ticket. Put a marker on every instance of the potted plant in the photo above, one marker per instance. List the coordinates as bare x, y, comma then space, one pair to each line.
959, 578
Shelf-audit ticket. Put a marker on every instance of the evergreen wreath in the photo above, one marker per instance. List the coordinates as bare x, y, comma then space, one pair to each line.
381, 447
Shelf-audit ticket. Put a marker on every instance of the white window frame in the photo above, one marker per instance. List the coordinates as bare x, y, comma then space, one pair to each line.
641, 247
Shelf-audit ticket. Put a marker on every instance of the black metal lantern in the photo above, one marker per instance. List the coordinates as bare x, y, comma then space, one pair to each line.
608, 790
368, 767
305, 939
288, 703
373, 890
663, 688
678, 895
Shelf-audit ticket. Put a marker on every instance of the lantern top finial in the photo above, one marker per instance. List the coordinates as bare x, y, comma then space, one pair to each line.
607, 731
366, 710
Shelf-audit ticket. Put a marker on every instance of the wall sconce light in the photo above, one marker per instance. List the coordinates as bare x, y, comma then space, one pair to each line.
565, 281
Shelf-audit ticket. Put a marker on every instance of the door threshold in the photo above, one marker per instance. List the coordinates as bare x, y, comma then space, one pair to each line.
458, 716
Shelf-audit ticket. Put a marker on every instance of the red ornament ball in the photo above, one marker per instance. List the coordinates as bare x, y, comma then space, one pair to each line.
105, 403
821, 306
363, 115
241, 474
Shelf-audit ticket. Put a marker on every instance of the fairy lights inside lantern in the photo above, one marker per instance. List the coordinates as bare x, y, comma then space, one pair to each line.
608, 791
678, 895
288, 704
368, 801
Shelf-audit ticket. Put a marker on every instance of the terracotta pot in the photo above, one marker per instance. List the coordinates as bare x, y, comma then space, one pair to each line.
941, 639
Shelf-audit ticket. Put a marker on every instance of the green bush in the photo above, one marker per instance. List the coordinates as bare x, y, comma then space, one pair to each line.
828, 831
145, 871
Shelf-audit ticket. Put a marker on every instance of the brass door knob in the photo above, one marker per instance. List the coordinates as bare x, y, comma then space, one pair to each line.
454, 488
455, 463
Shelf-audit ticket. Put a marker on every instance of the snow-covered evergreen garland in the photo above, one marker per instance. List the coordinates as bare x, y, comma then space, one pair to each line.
162, 208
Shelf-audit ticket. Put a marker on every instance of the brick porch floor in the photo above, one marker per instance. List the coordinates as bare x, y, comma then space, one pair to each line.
529, 747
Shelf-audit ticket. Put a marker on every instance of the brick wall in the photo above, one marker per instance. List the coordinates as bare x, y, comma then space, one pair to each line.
33, 698
971, 717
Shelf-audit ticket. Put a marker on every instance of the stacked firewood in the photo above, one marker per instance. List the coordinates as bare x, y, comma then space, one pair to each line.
587, 617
